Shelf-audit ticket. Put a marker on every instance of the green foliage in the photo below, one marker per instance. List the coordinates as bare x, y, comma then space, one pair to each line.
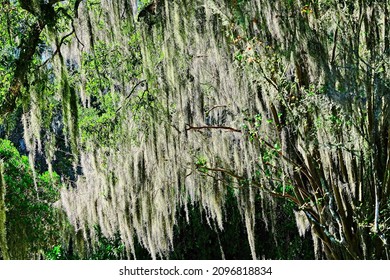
32, 222
56, 253
201, 164
106, 248
238, 11
108, 72
317, 127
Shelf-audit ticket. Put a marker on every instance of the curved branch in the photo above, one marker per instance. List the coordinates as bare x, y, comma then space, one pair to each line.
215, 107
131, 93
76, 8
57, 51
257, 185
189, 127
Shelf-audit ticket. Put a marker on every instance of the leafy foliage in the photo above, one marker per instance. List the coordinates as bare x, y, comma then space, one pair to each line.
32, 223
155, 112
106, 249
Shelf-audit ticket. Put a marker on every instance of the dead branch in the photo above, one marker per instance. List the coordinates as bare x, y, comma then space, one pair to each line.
189, 127
215, 107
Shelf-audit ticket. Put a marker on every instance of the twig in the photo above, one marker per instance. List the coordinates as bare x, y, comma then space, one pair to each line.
215, 107
334, 46
131, 92
58, 48
189, 127
273, 193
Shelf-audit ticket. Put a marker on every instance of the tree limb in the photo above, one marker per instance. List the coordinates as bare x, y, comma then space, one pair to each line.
45, 16
27, 50
215, 107
257, 185
189, 127
131, 93
76, 8
58, 48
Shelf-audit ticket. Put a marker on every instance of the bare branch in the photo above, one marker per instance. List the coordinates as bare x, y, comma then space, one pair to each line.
76, 8
215, 107
239, 177
189, 127
58, 48
131, 93
334, 46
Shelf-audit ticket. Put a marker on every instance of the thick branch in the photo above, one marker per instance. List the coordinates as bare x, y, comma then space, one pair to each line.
45, 15
76, 8
27, 50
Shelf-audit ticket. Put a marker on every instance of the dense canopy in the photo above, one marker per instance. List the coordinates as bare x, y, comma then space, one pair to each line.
194, 129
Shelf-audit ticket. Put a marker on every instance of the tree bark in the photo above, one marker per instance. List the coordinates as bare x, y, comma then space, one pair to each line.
45, 16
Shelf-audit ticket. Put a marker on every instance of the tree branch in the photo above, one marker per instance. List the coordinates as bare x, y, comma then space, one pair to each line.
58, 48
27, 50
45, 16
76, 8
257, 185
215, 107
189, 127
131, 93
